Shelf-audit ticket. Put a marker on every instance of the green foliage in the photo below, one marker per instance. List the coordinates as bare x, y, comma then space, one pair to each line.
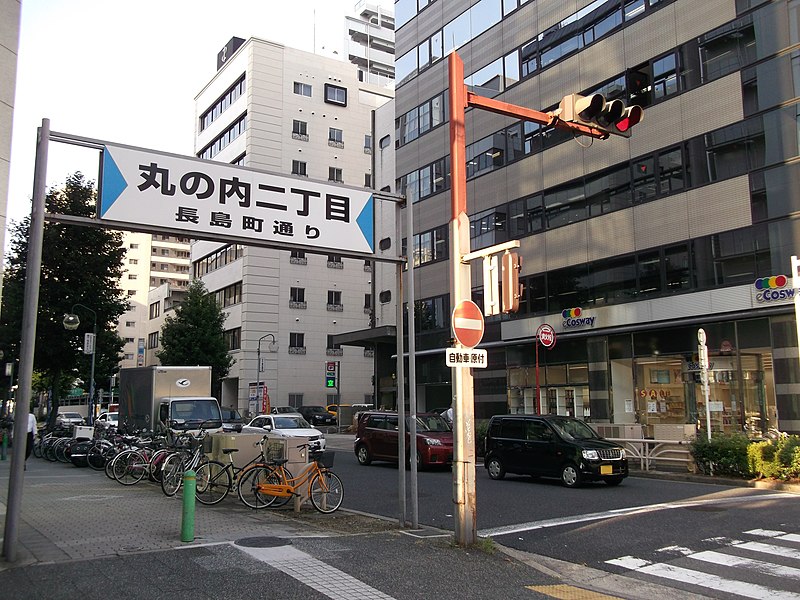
80, 265
779, 458
725, 454
195, 335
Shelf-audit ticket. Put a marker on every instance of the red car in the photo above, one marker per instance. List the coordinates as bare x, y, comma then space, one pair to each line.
376, 439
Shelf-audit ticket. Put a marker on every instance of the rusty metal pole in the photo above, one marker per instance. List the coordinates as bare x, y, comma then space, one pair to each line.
461, 289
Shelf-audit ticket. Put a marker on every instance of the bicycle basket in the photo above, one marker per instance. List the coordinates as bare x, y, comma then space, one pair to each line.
324, 458
274, 450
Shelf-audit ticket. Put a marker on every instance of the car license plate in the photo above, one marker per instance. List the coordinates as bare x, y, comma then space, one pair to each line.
606, 469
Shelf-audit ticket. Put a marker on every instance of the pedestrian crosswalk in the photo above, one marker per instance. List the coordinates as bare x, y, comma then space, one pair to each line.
765, 564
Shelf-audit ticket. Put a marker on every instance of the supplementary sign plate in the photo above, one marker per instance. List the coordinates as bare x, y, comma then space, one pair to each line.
455, 357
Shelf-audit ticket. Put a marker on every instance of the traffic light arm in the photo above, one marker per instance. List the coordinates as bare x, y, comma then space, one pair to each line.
529, 114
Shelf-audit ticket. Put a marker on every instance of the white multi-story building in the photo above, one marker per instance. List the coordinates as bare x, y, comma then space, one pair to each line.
9, 42
151, 261
370, 43
286, 111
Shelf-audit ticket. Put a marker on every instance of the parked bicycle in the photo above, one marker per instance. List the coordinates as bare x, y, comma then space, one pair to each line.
274, 485
215, 479
189, 457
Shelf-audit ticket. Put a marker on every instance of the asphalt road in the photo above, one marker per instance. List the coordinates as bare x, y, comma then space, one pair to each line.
634, 529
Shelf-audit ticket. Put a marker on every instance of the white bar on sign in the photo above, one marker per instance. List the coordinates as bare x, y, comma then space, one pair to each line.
465, 323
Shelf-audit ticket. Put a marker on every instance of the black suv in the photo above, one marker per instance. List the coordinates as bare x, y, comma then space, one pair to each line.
317, 415
552, 446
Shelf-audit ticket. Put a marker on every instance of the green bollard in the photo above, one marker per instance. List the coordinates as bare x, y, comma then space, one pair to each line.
187, 519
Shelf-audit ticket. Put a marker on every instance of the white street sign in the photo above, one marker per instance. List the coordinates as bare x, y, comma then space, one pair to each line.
146, 187
458, 357
88, 343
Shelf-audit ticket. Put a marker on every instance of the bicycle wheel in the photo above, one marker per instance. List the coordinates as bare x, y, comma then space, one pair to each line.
109, 468
95, 457
37, 447
248, 487
326, 491
213, 482
130, 467
156, 462
49, 451
61, 450
172, 474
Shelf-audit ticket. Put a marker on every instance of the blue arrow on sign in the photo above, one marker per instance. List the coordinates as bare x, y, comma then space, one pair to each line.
113, 183
365, 222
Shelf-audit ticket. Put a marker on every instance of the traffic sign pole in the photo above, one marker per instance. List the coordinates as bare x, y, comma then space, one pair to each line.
547, 335
461, 289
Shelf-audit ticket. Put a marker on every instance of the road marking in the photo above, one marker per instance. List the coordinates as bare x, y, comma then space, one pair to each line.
707, 580
771, 549
634, 510
314, 573
765, 532
766, 568
568, 592
676, 550
629, 562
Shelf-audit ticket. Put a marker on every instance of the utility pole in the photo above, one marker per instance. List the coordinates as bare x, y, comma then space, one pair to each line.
591, 116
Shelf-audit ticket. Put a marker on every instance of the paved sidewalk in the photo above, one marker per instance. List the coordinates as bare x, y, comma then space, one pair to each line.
84, 536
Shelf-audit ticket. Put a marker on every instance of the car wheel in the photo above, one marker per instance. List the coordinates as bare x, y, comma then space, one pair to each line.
363, 455
495, 468
571, 476
613, 481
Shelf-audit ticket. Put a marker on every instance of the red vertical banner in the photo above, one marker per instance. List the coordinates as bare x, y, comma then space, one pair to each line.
265, 405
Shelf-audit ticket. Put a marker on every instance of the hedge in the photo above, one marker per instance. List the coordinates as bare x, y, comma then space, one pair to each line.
779, 459
735, 455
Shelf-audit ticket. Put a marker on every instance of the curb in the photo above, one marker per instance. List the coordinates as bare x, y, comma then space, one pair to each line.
762, 484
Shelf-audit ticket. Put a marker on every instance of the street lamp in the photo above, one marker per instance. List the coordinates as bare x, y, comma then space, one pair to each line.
258, 364
71, 322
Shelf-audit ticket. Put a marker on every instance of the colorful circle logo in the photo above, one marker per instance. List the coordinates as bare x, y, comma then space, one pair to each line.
571, 313
771, 283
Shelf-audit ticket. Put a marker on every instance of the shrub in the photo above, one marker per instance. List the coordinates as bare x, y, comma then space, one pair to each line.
725, 454
481, 429
776, 458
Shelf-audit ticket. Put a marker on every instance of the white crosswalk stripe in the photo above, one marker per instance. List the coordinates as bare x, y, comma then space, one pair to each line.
729, 556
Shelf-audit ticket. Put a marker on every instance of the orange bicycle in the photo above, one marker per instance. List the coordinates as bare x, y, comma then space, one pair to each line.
273, 485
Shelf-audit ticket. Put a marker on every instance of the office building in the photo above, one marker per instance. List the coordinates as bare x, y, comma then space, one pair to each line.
289, 112
629, 246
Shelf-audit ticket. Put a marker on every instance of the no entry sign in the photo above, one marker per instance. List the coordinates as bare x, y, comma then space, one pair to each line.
546, 335
468, 323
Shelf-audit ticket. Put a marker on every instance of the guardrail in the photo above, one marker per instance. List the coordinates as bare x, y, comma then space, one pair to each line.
651, 453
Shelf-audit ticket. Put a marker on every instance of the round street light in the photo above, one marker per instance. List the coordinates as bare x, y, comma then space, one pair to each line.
71, 322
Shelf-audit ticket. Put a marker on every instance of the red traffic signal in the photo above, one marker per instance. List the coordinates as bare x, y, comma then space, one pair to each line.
612, 117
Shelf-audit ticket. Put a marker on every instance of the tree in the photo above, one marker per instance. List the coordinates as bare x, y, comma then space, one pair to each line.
80, 265
195, 335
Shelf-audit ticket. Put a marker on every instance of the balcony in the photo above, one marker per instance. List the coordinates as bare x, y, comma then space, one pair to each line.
335, 264
334, 352
297, 349
303, 137
335, 144
298, 260
334, 307
296, 304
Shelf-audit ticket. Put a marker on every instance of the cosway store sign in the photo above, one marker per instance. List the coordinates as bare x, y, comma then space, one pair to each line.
145, 187
775, 289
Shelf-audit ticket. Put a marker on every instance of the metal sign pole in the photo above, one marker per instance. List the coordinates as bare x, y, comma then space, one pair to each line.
461, 289
30, 310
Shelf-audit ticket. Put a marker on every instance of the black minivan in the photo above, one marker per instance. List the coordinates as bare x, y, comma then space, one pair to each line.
552, 446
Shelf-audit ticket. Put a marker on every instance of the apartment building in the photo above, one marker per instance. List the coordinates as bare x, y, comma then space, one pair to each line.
151, 262
289, 112
369, 42
629, 246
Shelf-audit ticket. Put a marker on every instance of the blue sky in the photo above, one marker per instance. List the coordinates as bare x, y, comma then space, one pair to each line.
128, 72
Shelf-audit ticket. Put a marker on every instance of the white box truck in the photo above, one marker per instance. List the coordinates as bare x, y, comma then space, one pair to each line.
177, 399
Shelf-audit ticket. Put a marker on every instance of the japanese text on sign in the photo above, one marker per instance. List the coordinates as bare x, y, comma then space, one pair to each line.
455, 357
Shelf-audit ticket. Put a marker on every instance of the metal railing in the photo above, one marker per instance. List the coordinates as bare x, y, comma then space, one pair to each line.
652, 453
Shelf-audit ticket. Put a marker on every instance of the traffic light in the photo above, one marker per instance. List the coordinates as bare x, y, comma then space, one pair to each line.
330, 374
512, 289
612, 116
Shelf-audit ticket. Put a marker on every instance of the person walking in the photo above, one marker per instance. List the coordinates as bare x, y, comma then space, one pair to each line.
31, 432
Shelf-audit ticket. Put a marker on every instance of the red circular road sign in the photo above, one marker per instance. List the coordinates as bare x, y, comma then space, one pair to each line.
468, 323
547, 335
